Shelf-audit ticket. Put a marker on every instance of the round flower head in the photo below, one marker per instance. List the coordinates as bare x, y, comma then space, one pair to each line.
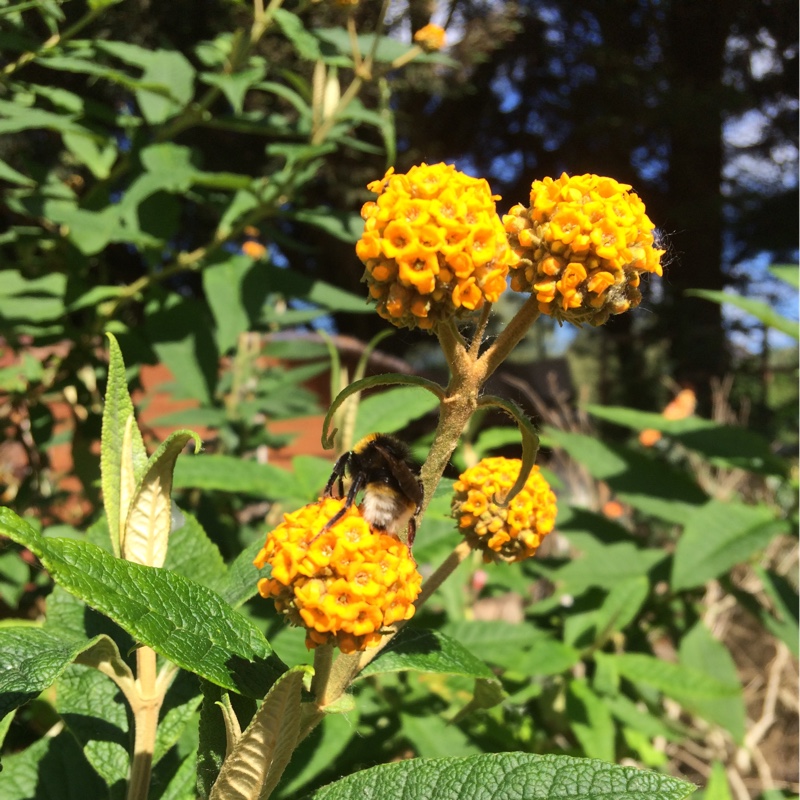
512, 533
433, 246
430, 38
582, 244
344, 585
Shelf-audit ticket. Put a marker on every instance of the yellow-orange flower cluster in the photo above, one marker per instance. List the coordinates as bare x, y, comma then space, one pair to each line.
433, 245
512, 533
344, 585
582, 244
430, 38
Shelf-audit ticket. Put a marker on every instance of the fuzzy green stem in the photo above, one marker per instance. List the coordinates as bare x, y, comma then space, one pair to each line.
480, 329
445, 569
323, 659
145, 720
510, 337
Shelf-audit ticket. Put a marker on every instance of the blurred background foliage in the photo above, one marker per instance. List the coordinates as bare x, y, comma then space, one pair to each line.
182, 175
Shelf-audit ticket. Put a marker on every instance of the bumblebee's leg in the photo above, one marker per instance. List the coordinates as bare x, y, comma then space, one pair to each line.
355, 488
338, 473
412, 531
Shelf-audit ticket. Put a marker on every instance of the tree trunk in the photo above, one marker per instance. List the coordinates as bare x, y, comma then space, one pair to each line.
698, 31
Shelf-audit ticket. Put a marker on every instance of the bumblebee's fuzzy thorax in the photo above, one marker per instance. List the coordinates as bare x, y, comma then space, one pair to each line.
381, 466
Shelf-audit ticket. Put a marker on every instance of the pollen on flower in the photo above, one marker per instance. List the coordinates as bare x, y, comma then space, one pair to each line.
581, 246
510, 533
343, 585
433, 246
430, 38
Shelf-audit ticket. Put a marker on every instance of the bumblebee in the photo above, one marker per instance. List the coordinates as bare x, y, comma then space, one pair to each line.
380, 465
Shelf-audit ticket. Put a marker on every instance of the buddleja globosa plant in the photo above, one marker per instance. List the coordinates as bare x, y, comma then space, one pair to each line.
172, 692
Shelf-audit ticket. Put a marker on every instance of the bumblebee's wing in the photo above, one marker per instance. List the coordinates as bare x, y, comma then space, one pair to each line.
404, 475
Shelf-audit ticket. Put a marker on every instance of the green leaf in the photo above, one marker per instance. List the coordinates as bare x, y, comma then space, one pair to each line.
433, 737
641, 481
240, 581
50, 768
168, 74
700, 651
242, 201
15, 117
149, 520
236, 85
318, 751
756, 308
178, 779
603, 565
180, 332
387, 49
783, 597
530, 439
95, 152
423, 650
546, 656
695, 690
192, 554
9, 174
345, 226
14, 577
35, 310
387, 379
496, 642
14, 284
647, 753
69, 615
169, 167
294, 284
507, 776
85, 697
295, 31
787, 273
91, 231
718, 536
233, 474
223, 285
117, 409
212, 734
31, 659
717, 787
622, 605
619, 608
256, 762
392, 410
734, 447
725, 445
590, 721
631, 714
94, 296
178, 717
181, 620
